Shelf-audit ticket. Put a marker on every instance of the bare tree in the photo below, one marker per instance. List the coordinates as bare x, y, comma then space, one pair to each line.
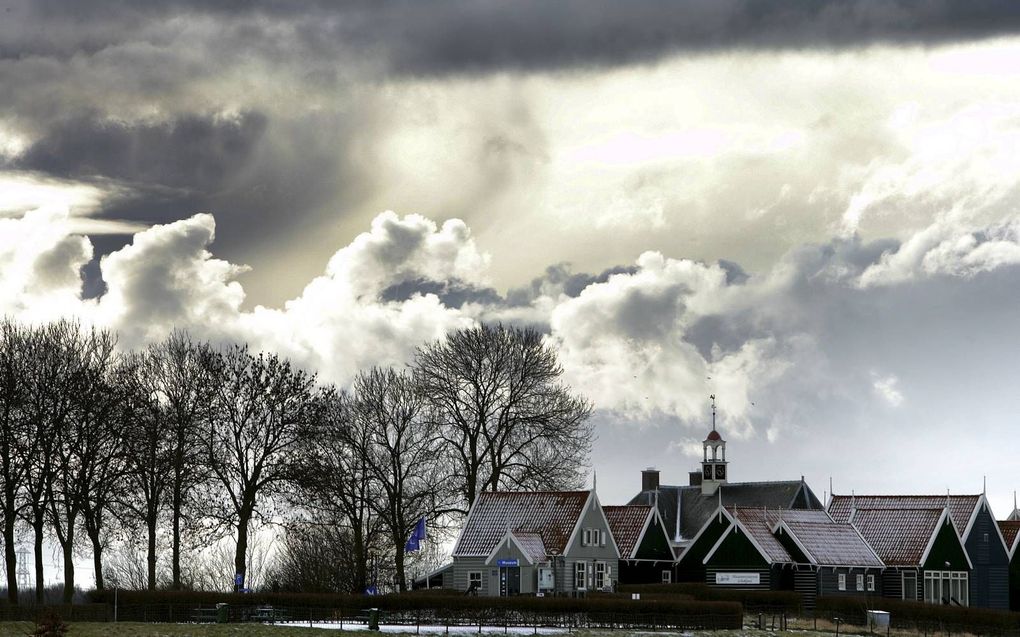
318, 557
87, 441
50, 373
171, 397
508, 421
405, 456
336, 484
259, 410
15, 441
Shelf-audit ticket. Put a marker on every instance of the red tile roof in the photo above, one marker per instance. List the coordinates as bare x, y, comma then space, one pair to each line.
1010, 529
533, 545
552, 515
626, 524
758, 524
961, 507
899, 536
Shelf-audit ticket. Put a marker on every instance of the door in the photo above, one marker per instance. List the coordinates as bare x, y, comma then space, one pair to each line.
509, 581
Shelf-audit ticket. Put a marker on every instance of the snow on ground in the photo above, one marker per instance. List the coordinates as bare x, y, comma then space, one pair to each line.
434, 630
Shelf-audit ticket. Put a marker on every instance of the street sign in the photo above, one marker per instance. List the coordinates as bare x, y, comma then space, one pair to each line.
505, 563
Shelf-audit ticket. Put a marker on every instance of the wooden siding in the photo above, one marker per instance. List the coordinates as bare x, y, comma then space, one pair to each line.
1014, 582
989, 581
690, 567
828, 582
805, 582
947, 548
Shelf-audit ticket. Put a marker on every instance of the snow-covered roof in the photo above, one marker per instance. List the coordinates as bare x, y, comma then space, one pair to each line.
549, 515
826, 542
899, 536
961, 507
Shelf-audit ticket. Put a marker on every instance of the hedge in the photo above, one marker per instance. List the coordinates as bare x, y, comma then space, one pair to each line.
788, 601
908, 614
448, 608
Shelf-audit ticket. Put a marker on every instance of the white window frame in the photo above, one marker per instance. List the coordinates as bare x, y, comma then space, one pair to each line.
871, 583
860, 581
667, 577
586, 537
939, 585
841, 581
475, 576
600, 575
903, 585
580, 576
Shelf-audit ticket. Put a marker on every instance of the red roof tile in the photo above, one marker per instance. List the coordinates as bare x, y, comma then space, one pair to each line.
626, 524
899, 536
961, 507
1010, 529
552, 515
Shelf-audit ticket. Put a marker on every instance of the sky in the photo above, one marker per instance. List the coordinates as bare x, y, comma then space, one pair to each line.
808, 210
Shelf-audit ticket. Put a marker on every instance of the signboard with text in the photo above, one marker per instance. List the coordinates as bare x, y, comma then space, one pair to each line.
739, 579
505, 563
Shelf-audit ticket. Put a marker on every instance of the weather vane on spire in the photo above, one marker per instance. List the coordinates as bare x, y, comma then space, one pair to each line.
712, 396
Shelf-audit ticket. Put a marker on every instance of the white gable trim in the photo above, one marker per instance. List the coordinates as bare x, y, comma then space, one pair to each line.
796, 540
737, 526
983, 502
509, 537
938, 528
594, 499
704, 527
577, 524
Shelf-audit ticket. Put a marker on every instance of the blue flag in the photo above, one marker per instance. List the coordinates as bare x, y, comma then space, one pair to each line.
417, 537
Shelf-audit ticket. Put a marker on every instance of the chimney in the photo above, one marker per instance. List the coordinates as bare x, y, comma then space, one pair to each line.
650, 479
695, 478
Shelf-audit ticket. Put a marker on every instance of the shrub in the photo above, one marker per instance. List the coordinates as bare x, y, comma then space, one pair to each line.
50, 625
909, 614
789, 601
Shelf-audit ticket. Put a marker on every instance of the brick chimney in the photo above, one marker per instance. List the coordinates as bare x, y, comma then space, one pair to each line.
696, 478
650, 479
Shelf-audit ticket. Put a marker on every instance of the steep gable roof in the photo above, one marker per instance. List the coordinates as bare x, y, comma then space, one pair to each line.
826, 542
627, 524
961, 507
684, 510
900, 537
1010, 530
550, 515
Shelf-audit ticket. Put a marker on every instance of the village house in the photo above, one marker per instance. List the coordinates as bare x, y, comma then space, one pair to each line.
686, 509
1011, 534
535, 542
971, 516
645, 554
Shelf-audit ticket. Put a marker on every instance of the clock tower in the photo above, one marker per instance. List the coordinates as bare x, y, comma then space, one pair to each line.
713, 466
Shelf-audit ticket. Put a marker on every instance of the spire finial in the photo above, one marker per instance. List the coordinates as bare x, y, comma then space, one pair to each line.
594, 479
984, 485
712, 396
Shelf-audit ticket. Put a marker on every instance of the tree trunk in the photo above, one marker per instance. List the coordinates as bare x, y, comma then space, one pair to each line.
175, 550
38, 525
360, 563
11, 560
97, 561
398, 562
69, 567
151, 554
241, 554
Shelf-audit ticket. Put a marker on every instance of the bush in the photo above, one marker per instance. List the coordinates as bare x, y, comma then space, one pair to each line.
908, 614
788, 601
50, 625
615, 609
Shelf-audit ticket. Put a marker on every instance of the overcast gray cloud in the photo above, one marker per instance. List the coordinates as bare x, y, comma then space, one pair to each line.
810, 209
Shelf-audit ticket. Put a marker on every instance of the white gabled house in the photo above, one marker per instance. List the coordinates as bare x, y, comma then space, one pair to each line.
529, 542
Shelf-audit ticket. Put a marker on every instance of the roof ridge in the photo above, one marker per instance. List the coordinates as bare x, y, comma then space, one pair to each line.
910, 495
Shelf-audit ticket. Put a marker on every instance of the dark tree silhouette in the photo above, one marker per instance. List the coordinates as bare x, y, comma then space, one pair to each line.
259, 411
508, 421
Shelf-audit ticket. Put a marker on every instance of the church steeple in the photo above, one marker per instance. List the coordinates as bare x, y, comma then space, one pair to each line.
713, 465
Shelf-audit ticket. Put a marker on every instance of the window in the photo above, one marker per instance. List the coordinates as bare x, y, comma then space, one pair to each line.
946, 587
871, 583
595, 537
986, 538
475, 580
860, 582
909, 585
667, 577
842, 581
586, 537
580, 576
600, 575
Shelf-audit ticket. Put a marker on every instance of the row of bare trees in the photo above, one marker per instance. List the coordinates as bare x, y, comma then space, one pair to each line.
194, 443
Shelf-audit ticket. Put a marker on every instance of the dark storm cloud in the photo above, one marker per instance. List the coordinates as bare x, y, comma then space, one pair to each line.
442, 36
558, 278
452, 293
